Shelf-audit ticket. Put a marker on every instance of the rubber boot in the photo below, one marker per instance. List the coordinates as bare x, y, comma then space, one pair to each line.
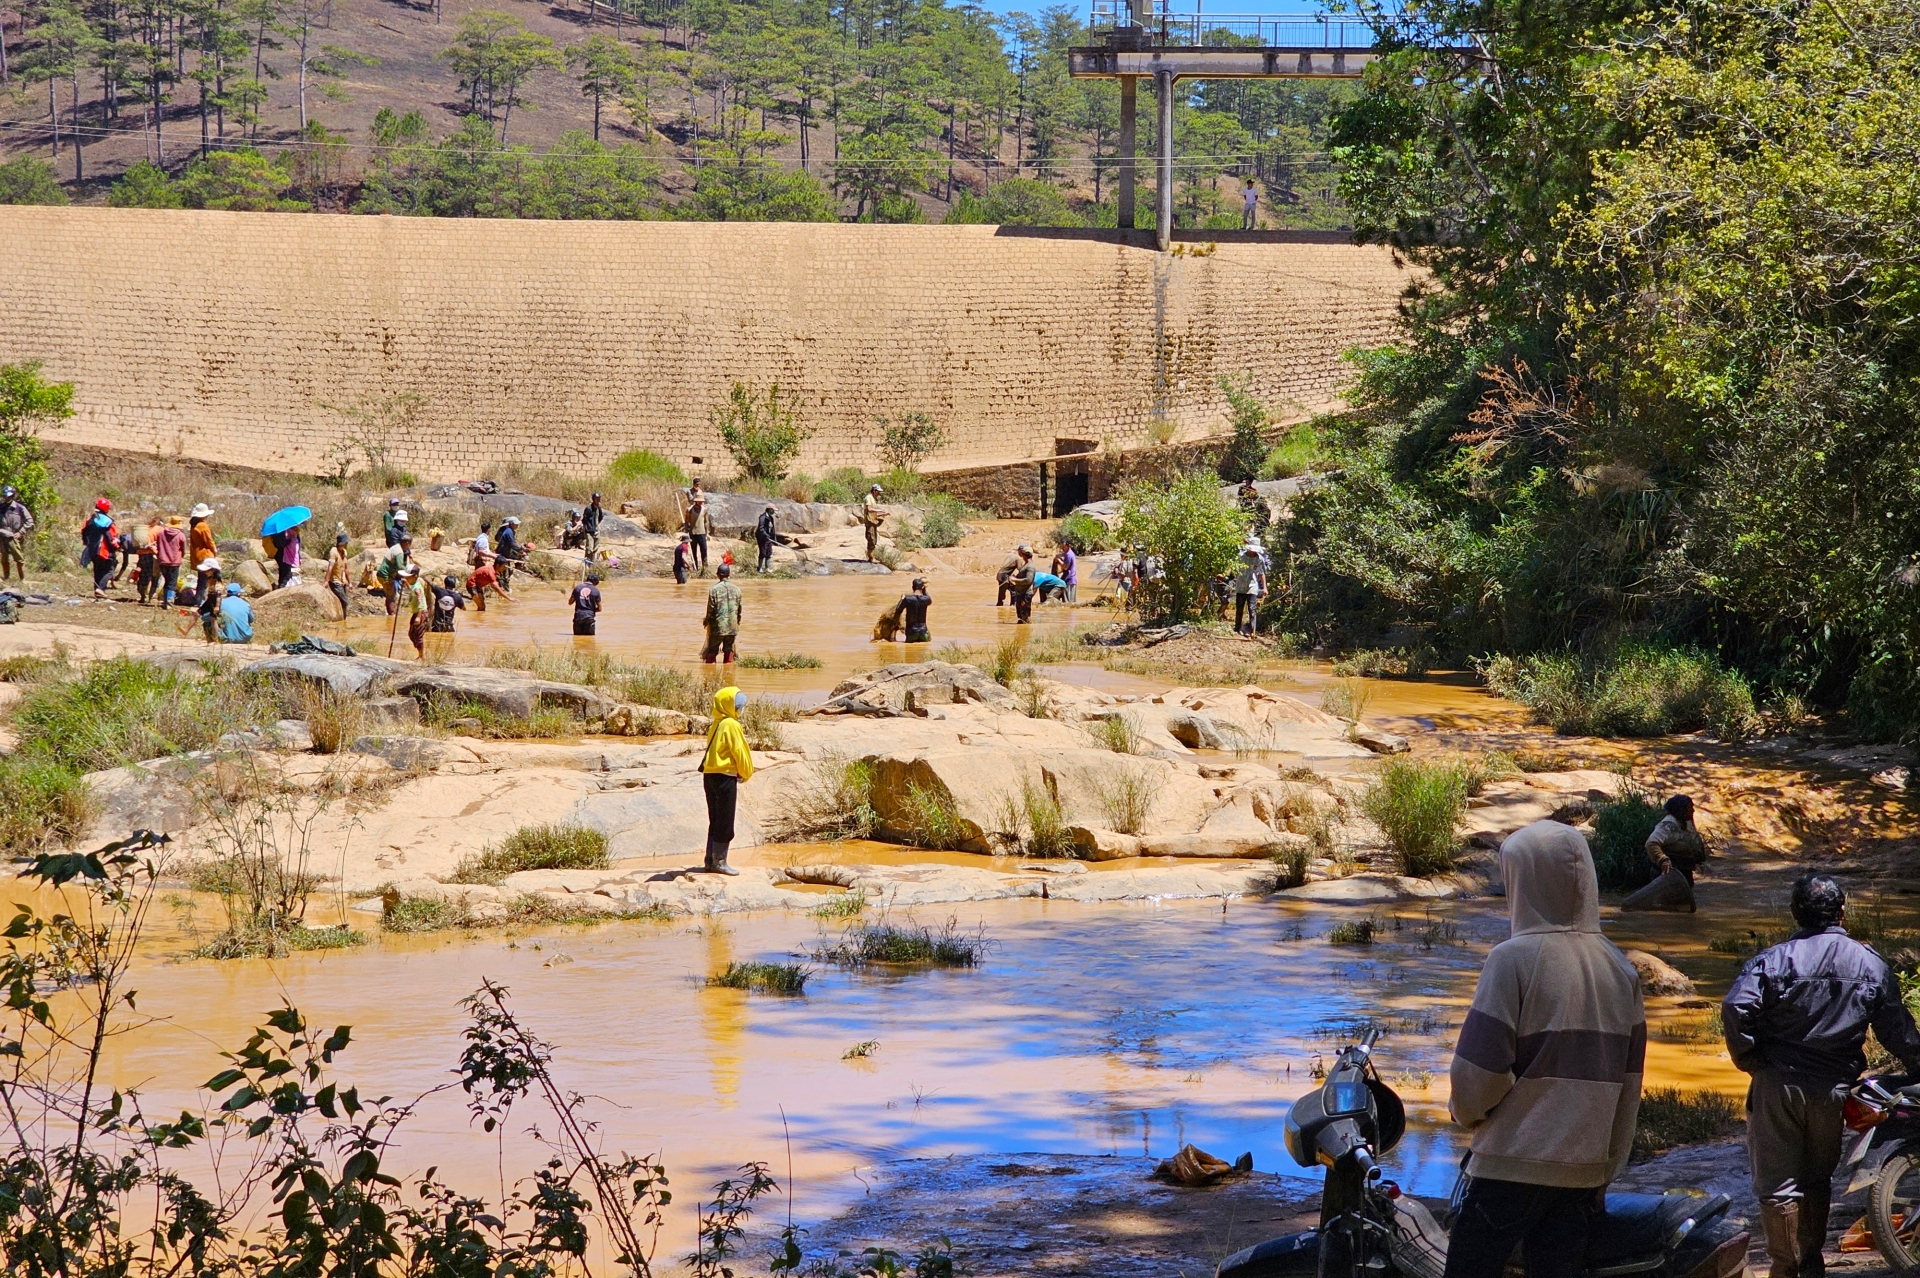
721, 866
1814, 1208
1781, 1224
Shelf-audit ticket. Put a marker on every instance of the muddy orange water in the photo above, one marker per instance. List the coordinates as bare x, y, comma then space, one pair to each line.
1127, 1028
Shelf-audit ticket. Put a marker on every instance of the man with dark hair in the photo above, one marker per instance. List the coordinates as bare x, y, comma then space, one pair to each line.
1796, 1020
1675, 850
765, 534
590, 525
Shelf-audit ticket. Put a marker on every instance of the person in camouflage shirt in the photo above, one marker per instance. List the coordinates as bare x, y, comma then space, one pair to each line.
723, 617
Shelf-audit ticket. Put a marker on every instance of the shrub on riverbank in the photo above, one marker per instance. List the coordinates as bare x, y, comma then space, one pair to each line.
1417, 806
780, 661
535, 847
1619, 841
1637, 690
1084, 533
1192, 530
430, 914
264, 942
833, 802
42, 804
122, 711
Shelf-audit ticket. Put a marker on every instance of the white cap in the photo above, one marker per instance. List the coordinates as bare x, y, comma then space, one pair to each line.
209, 564
399, 516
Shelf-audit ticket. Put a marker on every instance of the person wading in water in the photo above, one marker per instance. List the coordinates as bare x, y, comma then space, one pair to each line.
728, 763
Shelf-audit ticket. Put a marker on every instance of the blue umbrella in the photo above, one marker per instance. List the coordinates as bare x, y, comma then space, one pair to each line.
281, 520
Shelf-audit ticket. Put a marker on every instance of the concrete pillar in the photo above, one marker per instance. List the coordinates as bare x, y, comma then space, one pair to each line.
1163, 197
1128, 96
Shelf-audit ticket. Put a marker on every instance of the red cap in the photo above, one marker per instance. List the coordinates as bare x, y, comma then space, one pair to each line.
103, 505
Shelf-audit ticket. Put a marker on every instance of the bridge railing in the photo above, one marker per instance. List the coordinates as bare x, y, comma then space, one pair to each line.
1228, 30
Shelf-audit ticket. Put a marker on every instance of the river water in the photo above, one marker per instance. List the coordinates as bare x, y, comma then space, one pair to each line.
1124, 1029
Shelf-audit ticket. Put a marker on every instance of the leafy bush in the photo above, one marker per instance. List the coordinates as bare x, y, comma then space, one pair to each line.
1417, 806
644, 464
940, 522
762, 431
1247, 451
536, 847
1194, 533
1300, 450
1385, 663
766, 978
1082, 532
1619, 841
145, 185
1015, 202
25, 180
909, 438
1638, 690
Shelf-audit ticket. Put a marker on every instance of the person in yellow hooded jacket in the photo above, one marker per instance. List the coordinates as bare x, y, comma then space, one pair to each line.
727, 764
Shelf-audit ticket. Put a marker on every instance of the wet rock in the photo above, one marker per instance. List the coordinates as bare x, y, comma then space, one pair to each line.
346, 676
1658, 977
1095, 844
1355, 889
1379, 740
1892, 778
504, 692
304, 606
897, 689
626, 720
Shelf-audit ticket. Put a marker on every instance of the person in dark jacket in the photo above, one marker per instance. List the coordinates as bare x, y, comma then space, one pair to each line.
508, 551
680, 556
764, 534
590, 525
1796, 1020
586, 600
913, 612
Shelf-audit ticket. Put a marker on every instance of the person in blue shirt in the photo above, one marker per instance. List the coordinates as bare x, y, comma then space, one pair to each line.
236, 616
1046, 583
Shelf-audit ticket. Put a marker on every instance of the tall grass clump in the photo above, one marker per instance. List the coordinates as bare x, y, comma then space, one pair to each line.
1125, 795
932, 820
1300, 450
1346, 699
1115, 732
1007, 663
1670, 1117
780, 661
43, 804
1635, 690
764, 978
911, 944
761, 722
1031, 822
1417, 806
123, 711
1290, 867
535, 847
834, 801
1619, 840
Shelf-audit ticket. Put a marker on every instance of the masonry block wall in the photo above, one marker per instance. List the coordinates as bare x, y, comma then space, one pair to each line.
222, 336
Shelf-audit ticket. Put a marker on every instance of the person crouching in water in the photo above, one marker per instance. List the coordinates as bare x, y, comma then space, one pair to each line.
728, 763
1547, 1070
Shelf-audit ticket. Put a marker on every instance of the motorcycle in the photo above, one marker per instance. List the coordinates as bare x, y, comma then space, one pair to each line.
1884, 1116
1370, 1229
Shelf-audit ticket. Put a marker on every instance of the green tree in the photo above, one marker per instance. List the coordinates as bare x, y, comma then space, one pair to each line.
1247, 450
762, 431
603, 68
239, 181
145, 185
1193, 531
909, 438
732, 186
493, 55
1016, 202
28, 404
25, 180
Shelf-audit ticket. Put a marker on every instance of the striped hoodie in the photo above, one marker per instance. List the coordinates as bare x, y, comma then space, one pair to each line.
1547, 1071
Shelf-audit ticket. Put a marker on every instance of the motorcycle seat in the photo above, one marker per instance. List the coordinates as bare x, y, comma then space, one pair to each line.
1640, 1224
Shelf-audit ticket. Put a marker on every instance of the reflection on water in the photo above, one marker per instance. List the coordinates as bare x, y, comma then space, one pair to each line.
1091, 1029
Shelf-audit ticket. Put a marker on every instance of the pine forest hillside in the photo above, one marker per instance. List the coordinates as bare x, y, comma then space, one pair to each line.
812, 110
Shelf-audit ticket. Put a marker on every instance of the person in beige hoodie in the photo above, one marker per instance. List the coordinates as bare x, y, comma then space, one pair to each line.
1546, 1074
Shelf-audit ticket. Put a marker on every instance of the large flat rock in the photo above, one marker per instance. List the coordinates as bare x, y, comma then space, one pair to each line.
506, 692
346, 676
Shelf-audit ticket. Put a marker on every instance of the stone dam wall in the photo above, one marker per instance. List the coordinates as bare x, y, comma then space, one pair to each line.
226, 336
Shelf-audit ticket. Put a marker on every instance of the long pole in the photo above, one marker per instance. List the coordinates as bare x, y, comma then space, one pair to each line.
1163, 198
394, 637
